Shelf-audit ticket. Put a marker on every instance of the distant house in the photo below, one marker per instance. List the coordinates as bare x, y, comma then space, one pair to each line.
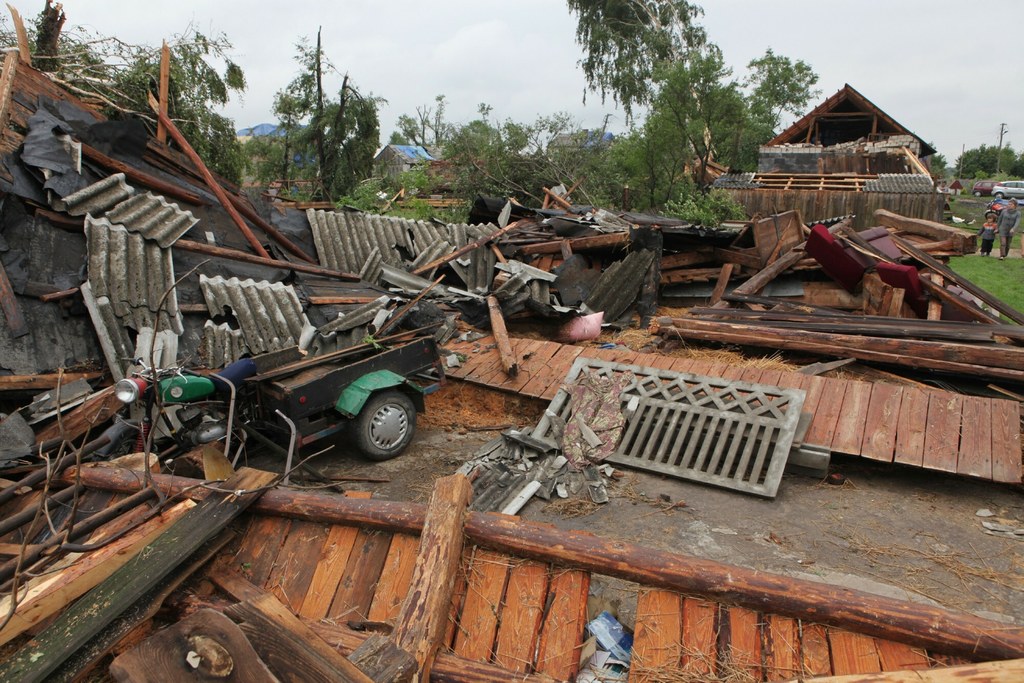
584, 139
258, 130
847, 133
394, 160
846, 156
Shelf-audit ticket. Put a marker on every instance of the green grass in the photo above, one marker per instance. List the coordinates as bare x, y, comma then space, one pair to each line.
1003, 279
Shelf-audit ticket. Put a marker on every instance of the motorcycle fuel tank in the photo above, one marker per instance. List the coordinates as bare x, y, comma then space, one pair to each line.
184, 388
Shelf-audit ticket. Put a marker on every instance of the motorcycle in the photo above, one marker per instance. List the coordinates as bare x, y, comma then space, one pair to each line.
189, 408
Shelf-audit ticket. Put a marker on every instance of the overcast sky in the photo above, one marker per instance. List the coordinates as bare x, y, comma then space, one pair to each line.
933, 65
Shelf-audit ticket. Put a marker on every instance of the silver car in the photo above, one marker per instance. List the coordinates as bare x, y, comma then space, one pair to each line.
1009, 189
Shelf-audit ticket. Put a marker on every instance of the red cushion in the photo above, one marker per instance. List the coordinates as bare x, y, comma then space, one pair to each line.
837, 264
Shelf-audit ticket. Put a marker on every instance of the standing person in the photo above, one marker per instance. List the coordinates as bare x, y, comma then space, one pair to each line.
988, 233
1009, 223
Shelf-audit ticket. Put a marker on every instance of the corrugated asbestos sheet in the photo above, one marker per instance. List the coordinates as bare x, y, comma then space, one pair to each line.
347, 240
134, 274
268, 314
618, 285
96, 198
902, 183
153, 217
159, 349
221, 345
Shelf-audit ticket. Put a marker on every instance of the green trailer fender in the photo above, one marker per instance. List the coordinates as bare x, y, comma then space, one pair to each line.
352, 399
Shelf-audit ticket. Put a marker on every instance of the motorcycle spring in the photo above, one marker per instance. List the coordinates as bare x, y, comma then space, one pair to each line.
140, 441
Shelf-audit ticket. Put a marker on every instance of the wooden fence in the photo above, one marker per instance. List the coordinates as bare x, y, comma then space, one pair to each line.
815, 205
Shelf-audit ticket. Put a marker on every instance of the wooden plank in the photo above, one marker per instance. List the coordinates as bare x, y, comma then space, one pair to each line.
853, 653
942, 437
852, 425
47, 594
1008, 671
330, 565
745, 641
479, 622
558, 366
509, 360
561, 634
458, 598
355, 590
975, 457
721, 283
827, 412
911, 426
260, 545
96, 410
521, 616
395, 578
881, 422
330, 568
164, 90
89, 615
295, 565
700, 636
895, 656
9, 304
1006, 464
538, 363
814, 652
658, 637
782, 653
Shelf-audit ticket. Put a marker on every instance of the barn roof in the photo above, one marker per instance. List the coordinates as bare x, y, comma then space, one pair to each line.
844, 117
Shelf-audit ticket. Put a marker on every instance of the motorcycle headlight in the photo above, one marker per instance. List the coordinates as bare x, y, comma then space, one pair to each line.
129, 389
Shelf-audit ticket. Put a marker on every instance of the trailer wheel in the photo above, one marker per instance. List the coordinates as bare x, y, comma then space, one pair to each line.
385, 425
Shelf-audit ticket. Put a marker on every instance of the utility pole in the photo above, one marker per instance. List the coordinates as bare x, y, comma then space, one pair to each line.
960, 170
999, 150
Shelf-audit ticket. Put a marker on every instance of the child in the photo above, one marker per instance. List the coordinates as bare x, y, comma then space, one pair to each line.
988, 233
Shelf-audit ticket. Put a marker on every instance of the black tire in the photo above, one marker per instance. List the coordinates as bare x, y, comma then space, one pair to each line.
998, 195
385, 425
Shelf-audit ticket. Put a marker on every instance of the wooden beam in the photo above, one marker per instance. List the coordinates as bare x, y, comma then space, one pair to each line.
945, 357
24, 52
165, 83
557, 200
957, 633
500, 332
962, 242
289, 647
12, 311
608, 241
204, 646
1007, 671
779, 266
133, 174
475, 244
6, 86
268, 228
236, 255
95, 610
424, 613
996, 303
720, 285
48, 594
935, 306
211, 182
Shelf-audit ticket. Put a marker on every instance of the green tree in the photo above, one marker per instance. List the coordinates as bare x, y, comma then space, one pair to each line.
778, 86
980, 162
429, 126
328, 140
121, 75
626, 41
699, 100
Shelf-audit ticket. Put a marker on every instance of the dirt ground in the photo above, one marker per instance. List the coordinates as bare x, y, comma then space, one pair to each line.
895, 531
